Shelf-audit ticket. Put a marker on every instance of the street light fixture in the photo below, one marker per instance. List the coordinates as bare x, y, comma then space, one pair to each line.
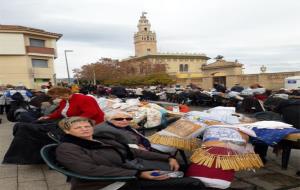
66, 51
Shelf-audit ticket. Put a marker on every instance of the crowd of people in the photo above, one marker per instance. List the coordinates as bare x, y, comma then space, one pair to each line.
94, 143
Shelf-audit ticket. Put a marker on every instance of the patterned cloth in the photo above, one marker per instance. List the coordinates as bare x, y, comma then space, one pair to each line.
272, 136
224, 134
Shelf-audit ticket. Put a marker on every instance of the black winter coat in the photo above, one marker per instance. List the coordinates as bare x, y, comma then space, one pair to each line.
94, 158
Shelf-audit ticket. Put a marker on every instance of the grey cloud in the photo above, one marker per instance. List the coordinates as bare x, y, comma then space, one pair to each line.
253, 31
73, 29
101, 34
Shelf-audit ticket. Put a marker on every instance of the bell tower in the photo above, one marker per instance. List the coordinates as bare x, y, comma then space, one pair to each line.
144, 39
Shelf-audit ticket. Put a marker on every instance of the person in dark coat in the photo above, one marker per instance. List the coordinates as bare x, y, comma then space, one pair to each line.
39, 98
290, 111
33, 110
219, 87
117, 127
81, 153
237, 88
119, 91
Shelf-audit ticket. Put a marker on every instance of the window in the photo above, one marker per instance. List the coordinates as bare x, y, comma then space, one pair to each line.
186, 68
37, 42
148, 49
40, 63
147, 37
145, 29
181, 67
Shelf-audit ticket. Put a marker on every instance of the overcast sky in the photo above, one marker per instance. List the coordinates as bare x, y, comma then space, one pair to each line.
255, 32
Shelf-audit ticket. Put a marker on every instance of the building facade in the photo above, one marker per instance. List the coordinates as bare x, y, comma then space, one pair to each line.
27, 56
193, 68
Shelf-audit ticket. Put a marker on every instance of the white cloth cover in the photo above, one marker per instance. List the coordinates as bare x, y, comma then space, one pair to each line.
269, 125
214, 183
217, 114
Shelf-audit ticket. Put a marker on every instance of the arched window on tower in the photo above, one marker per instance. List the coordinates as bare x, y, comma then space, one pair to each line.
145, 29
181, 68
186, 68
147, 37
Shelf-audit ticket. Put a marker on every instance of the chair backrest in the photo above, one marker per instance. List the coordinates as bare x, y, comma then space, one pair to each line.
267, 116
291, 115
48, 155
53, 137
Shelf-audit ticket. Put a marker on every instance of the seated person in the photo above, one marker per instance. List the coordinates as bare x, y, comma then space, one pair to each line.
237, 88
74, 105
81, 153
219, 87
117, 127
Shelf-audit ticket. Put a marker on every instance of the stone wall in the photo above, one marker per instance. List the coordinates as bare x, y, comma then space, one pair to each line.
272, 81
267, 80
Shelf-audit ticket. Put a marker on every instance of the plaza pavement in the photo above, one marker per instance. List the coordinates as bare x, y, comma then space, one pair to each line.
39, 177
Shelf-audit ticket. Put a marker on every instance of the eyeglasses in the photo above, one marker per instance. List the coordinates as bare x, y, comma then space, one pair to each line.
121, 119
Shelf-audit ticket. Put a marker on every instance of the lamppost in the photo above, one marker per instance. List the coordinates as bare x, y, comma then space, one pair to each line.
66, 51
94, 74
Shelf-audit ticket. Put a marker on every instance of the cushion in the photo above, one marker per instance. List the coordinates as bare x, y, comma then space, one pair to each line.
180, 134
211, 177
225, 134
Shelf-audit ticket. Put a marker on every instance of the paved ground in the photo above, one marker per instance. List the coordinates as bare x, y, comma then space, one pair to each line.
25, 177
39, 177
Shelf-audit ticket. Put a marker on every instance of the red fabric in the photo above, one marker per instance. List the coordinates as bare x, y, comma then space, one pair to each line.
80, 105
170, 108
220, 151
215, 173
184, 108
261, 97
